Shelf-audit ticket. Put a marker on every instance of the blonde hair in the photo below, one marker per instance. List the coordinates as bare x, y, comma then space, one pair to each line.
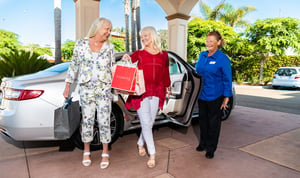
218, 36
96, 25
154, 37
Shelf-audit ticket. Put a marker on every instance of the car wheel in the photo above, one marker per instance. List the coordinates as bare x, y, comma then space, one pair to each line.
116, 126
226, 113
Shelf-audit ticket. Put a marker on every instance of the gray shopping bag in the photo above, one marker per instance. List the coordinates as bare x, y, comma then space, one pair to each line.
66, 119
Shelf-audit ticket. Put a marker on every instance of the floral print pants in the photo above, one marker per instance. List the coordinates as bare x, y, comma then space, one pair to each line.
95, 96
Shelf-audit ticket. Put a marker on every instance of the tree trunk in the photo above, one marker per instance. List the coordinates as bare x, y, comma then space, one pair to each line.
138, 23
57, 23
261, 69
133, 21
126, 6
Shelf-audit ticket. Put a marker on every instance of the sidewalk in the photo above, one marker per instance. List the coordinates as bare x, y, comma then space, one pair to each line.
253, 143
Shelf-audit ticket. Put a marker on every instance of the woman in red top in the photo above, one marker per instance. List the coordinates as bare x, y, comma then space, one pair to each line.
155, 65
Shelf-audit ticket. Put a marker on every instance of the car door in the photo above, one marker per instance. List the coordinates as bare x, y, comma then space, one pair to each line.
185, 88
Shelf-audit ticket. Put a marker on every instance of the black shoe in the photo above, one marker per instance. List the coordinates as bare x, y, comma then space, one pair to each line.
209, 154
200, 148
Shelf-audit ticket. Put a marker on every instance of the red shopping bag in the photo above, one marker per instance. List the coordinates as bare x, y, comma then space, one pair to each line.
128, 80
124, 78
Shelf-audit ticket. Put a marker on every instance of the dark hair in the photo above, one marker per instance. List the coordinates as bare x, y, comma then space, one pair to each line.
218, 36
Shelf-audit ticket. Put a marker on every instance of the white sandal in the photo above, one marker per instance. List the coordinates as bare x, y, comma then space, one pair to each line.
86, 162
104, 165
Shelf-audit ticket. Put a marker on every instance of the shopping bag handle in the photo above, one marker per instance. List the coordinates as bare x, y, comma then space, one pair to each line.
67, 102
127, 63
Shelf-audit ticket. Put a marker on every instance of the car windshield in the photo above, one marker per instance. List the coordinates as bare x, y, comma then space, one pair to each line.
59, 68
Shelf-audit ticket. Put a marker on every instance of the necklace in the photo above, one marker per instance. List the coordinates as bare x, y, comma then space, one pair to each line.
96, 43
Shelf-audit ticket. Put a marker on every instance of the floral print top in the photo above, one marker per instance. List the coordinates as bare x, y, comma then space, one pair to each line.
83, 62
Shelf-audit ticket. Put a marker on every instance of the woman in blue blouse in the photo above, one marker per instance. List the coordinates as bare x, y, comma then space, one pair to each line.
214, 67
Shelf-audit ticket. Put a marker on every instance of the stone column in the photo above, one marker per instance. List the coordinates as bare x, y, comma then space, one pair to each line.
86, 12
177, 28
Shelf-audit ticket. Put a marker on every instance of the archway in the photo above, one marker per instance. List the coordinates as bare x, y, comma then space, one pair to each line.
177, 15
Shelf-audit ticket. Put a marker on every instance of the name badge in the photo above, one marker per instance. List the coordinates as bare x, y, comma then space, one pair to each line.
212, 62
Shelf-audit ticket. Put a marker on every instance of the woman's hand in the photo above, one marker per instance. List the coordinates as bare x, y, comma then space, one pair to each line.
67, 90
126, 57
224, 104
169, 91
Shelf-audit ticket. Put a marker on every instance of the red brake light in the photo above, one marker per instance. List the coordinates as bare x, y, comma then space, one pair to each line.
297, 77
274, 76
18, 94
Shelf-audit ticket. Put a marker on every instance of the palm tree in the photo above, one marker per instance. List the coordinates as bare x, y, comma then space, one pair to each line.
57, 23
133, 23
234, 17
138, 23
126, 9
209, 13
226, 13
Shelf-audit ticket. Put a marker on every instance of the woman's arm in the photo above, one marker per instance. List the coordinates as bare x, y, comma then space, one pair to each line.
74, 65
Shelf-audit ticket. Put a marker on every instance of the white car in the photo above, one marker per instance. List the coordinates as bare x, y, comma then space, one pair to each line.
286, 77
28, 104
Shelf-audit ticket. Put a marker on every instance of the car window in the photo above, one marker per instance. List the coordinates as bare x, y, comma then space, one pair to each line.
59, 68
287, 71
175, 67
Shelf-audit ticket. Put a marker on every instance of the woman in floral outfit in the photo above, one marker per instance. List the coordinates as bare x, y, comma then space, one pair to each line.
92, 60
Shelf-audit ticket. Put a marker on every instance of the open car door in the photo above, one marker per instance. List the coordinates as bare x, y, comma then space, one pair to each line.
185, 87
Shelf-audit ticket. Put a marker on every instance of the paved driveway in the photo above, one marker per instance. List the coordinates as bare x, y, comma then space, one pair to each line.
283, 100
253, 143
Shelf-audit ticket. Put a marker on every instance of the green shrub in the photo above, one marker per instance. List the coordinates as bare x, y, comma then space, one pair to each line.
239, 77
21, 62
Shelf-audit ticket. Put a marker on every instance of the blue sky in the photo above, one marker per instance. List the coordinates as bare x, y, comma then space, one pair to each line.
33, 20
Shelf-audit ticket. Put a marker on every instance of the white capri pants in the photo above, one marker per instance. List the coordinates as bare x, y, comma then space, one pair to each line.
147, 114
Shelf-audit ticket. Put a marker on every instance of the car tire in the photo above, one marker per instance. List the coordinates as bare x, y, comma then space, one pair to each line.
226, 113
116, 125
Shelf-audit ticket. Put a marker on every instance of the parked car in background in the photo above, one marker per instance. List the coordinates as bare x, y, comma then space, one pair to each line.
29, 101
286, 77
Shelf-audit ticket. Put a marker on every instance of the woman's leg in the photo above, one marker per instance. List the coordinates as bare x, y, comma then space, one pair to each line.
147, 114
148, 107
141, 140
88, 107
103, 117
214, 122
203, 125
86, 147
